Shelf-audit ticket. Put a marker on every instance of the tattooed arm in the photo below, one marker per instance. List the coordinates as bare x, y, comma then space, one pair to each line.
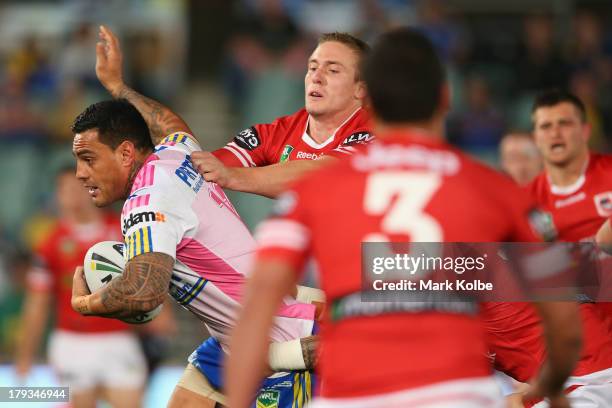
142, 287
161, 120
309, 351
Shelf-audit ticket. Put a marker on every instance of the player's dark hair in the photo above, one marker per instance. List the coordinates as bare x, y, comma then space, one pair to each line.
555, 96
360, 47
116, 121
404, 77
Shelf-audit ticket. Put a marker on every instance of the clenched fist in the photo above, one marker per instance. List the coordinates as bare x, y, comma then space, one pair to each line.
212, 169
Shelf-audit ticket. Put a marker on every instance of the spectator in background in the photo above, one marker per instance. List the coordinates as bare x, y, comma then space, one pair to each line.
584, 85
266, 57
479, 128
587, 49
110, 364
540, 63
435, 23
519, 157
77, 59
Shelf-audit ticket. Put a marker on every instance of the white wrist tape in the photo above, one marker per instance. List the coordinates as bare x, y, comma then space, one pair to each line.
308, 295
286, 356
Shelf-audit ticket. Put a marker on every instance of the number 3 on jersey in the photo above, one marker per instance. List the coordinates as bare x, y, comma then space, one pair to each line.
404, 215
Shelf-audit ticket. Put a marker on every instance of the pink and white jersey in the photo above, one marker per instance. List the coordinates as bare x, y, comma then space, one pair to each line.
173, 210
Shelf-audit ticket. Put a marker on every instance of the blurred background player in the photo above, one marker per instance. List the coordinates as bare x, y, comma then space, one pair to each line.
431, 359
575, 186
333, 119
97, 358
519, 157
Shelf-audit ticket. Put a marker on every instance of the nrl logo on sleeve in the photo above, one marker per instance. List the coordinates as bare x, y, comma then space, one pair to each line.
248, 138
357, 137
268, 399
542, 224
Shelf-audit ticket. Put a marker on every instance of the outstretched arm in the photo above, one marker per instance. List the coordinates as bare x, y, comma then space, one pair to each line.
268, 181
562, 333
161, 120
141, 288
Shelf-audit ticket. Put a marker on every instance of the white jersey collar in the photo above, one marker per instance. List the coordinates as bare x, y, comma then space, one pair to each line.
312, 143
572, 188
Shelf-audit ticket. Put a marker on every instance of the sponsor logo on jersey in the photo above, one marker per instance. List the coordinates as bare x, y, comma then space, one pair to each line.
268, 399
570, 200
542, 224
188, 174
603, 203
357, 137
248, 138
145, 216
286, 152
305, 155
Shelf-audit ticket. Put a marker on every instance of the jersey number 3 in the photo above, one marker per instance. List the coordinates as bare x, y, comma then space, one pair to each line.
404, 215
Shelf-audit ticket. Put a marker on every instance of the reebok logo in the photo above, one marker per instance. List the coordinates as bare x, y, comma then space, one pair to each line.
147, 216
304, 155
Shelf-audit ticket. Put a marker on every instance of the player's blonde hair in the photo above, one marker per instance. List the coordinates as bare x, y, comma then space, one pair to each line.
360, 47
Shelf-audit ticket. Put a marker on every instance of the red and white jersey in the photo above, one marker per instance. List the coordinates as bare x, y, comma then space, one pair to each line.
57, 258
287, 139
579, 210
402, 188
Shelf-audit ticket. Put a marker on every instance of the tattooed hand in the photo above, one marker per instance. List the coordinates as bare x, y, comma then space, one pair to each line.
80, 292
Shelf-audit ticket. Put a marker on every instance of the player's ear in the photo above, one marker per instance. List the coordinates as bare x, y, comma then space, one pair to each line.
126, 153
586, 131
361, 92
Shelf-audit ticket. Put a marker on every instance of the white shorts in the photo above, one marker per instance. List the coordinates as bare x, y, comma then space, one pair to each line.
595, 391
84, 361
469, 393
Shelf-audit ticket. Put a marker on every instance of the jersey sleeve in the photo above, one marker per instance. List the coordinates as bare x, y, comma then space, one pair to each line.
155, 219
40, 277
249, 148
531, 224
286, 236
180, 141
355, 142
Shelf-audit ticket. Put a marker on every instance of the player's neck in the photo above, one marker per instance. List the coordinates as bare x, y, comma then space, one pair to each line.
321, 128
568, 174
433, 130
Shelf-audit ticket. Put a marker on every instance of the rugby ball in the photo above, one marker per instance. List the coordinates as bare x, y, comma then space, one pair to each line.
104, 262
